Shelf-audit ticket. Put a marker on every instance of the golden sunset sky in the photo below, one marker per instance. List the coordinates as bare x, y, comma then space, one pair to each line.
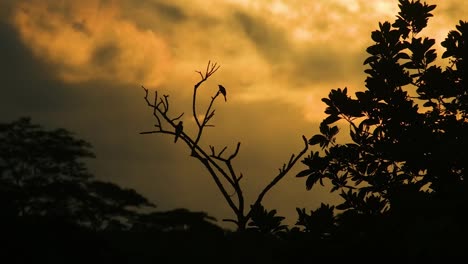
80, 64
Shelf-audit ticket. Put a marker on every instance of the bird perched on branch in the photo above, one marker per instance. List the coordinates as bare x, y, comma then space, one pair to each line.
178, 130
222, 90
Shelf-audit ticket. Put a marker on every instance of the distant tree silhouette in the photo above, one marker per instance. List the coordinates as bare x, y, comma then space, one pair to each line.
403, 173
177, 220
218, 163
53, 210
42, 174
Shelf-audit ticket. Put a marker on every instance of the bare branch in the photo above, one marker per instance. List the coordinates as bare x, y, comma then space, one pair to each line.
236, 185
212, 150
159, 122
208, 115
149, 132
221, 153
177, 118
281, 174
240, 177
221, 187
291, 159
157, 131
165, 107
207, 67
167, 102
235, 152
209, 71
230, 220
218, 156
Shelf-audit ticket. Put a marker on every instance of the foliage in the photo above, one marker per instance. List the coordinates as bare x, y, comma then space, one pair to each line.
406, 159
266, 222
42, 175
320, 223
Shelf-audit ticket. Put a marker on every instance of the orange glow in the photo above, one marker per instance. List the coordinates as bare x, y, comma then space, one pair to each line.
91, 41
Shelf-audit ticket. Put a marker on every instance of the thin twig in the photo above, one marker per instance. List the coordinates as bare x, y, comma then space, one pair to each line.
177, 118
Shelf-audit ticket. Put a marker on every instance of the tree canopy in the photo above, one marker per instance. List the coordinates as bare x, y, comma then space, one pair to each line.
402, 174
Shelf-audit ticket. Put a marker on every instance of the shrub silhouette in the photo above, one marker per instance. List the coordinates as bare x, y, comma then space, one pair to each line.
402, 174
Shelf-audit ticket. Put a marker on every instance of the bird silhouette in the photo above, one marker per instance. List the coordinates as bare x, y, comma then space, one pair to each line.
178, 130
222, 90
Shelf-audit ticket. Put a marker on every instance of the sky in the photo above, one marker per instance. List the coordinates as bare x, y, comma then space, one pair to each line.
80, 65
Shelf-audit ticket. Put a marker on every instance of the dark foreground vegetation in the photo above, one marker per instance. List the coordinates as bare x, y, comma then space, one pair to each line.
401, 176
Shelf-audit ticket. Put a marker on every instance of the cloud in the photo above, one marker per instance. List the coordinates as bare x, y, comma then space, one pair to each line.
89, 40
170, 12
269, 40
28, 85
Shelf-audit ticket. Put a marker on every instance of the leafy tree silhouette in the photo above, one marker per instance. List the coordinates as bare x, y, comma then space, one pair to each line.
218, 164
402, 175
42, 175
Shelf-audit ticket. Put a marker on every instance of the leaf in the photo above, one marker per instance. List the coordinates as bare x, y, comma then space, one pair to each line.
430, 56
370, 59
334, 130
311, 180
304, 173
430, 104
430, 8
331, 119
324, 129
402, 55
317, 139
327, 101
343, 206
377, 36
385, 27
374, 49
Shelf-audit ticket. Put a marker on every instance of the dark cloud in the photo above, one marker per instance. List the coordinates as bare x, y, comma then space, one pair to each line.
169, 11
6, 8
147, 14
108, 115
270, 41
315, 63
451, 10
27, 83
105, 55
321, 65
81, 26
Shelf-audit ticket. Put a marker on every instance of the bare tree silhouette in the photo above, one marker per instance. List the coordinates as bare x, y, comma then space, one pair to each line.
218, 164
